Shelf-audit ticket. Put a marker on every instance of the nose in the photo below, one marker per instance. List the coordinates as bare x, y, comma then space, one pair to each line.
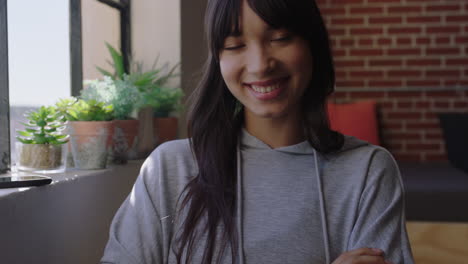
260, 61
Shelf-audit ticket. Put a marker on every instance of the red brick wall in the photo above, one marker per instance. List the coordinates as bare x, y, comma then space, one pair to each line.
411, 56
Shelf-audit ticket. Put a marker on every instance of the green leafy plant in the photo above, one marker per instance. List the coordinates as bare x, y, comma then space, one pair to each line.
90, 110
121, 93
136, 75
157, 75
152, 87
45, 126
163, 100
155, 91
117, 63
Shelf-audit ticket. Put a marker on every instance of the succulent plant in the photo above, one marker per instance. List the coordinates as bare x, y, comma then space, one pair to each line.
45, 126
63, 105
89, 110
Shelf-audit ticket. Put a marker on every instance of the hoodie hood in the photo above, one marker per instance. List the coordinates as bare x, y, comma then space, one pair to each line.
250, 142
303, 148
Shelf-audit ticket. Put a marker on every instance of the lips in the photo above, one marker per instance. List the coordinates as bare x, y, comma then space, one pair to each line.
267, 90
267, 82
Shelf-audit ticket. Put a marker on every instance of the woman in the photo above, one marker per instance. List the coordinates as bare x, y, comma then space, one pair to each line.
263, 179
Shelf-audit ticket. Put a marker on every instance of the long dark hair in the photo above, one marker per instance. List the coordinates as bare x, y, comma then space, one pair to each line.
216, 118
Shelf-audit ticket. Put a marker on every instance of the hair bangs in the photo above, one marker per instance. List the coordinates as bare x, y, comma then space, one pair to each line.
293, 15
222, 21
224, 18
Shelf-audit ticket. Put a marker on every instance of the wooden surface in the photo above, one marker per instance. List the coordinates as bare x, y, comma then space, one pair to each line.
439, 243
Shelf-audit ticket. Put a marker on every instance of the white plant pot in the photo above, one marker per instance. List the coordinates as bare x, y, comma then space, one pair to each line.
41, 158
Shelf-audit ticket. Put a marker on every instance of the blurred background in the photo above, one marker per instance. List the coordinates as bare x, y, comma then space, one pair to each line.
401, 82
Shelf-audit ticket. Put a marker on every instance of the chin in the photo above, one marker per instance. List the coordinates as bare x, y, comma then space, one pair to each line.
269, 114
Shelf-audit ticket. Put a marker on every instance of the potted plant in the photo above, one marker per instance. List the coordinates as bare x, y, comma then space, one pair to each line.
154, 94
61, 107
157, 96
121, 90
163, 101
123, 95
41, 147
91, 129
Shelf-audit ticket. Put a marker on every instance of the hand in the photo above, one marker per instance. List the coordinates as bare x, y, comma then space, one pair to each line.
362, 256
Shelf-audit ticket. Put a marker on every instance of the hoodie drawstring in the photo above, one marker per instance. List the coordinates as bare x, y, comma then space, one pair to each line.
322, 209
240, 230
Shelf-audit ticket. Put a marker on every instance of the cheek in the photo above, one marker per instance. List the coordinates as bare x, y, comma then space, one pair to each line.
229, 70
300, 60
300, 63
230, 73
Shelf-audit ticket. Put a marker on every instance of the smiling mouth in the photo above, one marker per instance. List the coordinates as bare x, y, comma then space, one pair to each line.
265, 89
267, 86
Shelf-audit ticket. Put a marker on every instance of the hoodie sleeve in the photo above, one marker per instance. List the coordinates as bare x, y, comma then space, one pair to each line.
381, 217
136, 230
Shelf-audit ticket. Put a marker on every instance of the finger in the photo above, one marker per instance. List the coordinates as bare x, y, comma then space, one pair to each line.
365, 259
348, 256
366, 251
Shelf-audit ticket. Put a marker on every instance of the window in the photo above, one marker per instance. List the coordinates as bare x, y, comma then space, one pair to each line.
30, 41
40, 61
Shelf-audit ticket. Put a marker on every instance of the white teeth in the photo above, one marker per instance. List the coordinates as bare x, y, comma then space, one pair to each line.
265, 89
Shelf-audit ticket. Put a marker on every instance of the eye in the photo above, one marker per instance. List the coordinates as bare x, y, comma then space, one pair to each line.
233, 43
282, 38
236, 47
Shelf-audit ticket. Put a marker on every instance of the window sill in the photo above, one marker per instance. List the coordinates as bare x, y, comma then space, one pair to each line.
69, 176
66, 221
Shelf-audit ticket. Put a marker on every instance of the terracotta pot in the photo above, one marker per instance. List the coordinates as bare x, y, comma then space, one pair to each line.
91, 142
165, 129
125, 139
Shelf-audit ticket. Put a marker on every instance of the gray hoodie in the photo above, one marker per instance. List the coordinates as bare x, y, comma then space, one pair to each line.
294, 205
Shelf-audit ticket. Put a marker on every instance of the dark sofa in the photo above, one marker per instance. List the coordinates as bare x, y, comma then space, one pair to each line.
435, 192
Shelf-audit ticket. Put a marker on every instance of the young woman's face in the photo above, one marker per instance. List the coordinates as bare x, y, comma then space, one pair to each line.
266, 69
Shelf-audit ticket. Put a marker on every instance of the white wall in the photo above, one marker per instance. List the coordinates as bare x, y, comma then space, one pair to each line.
100, 24
156, 31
